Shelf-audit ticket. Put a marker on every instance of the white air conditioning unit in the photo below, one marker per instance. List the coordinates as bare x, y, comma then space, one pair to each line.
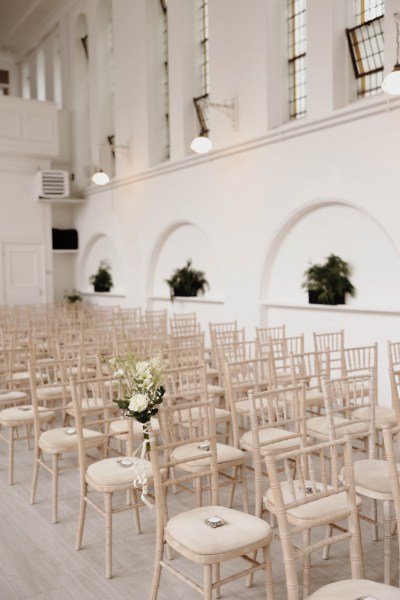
52, 184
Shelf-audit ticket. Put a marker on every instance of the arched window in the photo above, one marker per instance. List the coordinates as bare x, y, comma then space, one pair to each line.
106, 85
57, 77
26, 81
41, 76
81, 102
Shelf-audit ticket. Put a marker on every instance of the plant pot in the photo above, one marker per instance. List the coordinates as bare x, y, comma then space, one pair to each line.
313, 298
98, 287
183, 293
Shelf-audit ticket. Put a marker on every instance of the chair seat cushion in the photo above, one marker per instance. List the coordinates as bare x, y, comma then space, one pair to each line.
23, 415
349, 589
308, 513
224, 454
189, 530
57, 441
13, 396
372, 475
215, 390
318, 427
272, 435
120, 427
88, 405
110, 473
53, 392
314, 397
20, 376
384, 415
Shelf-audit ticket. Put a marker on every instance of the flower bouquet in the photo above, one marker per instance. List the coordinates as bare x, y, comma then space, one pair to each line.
140, 382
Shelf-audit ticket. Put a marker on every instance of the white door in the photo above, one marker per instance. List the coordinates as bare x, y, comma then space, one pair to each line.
23, 273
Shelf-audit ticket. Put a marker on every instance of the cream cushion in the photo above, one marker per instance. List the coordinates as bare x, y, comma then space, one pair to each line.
384, 415
372, 475
319, 427
120, 427
351, 589
50, 393
215, 390
90, 404
14, 396
109, 473
57, 441
269, 435
23, 415
308, 513
314, 397
189, 530
224, 454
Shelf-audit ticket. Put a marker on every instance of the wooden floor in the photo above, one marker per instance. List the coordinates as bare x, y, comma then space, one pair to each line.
38, 560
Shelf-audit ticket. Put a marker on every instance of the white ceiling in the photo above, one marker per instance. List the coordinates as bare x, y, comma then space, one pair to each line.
20, 19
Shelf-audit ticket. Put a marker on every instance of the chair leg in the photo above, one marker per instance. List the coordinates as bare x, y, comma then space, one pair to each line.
374, 517
28, 429
269, 580
386, 540
35, 475
11, 438
81, 519
216, 576
207, 582
108, 515
155, 584
306, 564
325, 551
233, 487
136, 517
243, 472
55, 461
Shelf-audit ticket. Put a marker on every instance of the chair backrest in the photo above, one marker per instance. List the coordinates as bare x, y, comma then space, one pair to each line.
185, 383
185, 356
391, 440
191, 425
360, 360
343, 397
240, 377
394, 377
307, 483
334, 342
277, 417
265, 334
234, 352
310, 367
184, 324
393, 349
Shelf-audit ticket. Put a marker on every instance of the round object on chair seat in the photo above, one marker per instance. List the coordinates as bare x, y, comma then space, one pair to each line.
384, 415
13, 396
23, 415
240, 533
308, 513
351, 589
109, 472
57, 441
224, 454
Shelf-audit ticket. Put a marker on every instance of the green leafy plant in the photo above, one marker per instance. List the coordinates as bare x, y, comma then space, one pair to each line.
74, 296
187, 281
102, 280
329, 281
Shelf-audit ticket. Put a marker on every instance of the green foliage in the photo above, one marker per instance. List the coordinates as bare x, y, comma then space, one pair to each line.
330, 279
74, 296
187, 281
102, 280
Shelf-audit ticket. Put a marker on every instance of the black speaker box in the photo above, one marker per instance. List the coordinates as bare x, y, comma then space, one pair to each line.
65, 239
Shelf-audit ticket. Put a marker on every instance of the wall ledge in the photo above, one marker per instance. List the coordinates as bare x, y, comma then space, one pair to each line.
335, 308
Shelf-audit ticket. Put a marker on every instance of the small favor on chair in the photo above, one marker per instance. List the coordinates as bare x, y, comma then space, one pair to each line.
205, 446
70, 431
214, 521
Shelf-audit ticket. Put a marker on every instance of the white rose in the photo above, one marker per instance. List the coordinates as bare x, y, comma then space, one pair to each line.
138, 403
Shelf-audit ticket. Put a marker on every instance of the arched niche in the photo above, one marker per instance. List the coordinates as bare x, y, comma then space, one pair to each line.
317, 230
180, 242
101, 247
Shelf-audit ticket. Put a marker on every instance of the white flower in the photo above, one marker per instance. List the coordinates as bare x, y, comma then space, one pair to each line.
142, 367
112, 362
138, 403
119, 373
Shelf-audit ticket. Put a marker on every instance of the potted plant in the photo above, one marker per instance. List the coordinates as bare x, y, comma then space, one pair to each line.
72, 297
328, 283
187, 281
102, 280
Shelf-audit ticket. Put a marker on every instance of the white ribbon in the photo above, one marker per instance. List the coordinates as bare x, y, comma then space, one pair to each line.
140, 474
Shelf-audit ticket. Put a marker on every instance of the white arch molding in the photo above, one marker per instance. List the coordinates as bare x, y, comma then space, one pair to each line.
100, 246
282, 232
